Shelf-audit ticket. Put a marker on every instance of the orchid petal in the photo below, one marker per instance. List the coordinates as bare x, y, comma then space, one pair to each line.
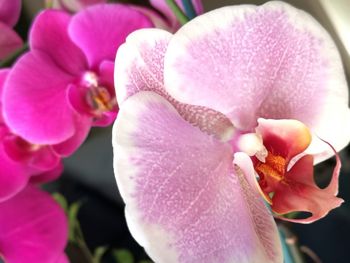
295, 190
3, 75
288, 138
76, 96
33, 228
106, 72
33, 86
62, 259
97, 33
140, 62
9, 41
47, 176
13, 176
304, 195
271, 61
68, 147
10, 11
139, 67
43, 158
182, 193
49, 34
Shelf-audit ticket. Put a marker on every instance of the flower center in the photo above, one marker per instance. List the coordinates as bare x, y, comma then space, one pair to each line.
26, 146
97, 96
273, 167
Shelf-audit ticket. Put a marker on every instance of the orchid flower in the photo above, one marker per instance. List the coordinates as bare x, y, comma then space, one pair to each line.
33, 228
64, 84
9, 14
22, 162
232, 110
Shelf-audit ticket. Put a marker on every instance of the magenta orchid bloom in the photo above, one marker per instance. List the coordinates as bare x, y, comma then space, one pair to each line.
21, 161
234, 108
64, 85
9, 14
33, 228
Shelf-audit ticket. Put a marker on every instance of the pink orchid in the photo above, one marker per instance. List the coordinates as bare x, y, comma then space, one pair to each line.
64, 85
21, 161
9, 14
239, 93
33, 228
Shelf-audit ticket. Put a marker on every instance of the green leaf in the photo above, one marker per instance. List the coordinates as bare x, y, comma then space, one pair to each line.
73, 220
99, 253
61, 200
123, 256
179, 14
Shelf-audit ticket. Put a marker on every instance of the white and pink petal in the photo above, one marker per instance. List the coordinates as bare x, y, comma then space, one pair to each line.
185, 202
271, 61
139, 67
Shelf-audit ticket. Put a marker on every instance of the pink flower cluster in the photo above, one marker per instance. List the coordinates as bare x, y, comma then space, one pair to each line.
215, 120
50, 99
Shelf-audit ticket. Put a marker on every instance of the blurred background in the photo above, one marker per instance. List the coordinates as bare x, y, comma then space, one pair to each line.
89, 178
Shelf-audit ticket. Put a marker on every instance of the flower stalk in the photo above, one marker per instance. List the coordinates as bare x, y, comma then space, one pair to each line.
189, 9
291, 251
180, 15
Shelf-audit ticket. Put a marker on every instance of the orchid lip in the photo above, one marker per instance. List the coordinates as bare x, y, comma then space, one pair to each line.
97, 96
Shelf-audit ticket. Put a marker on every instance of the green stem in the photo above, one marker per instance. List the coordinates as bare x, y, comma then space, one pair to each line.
80, 240
85, 250
8, 61
180, 15
189, 9
291, 251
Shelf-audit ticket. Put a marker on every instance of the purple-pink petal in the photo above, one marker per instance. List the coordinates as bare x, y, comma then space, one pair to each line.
271, 61
82, 127
49, 34
99, 30
139, 67
3, 76
47, 176
13, 176
9, 41
33, 228
10, 11
34, 100
35, 156
76, 96
106, 73
185, 201
62, 259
